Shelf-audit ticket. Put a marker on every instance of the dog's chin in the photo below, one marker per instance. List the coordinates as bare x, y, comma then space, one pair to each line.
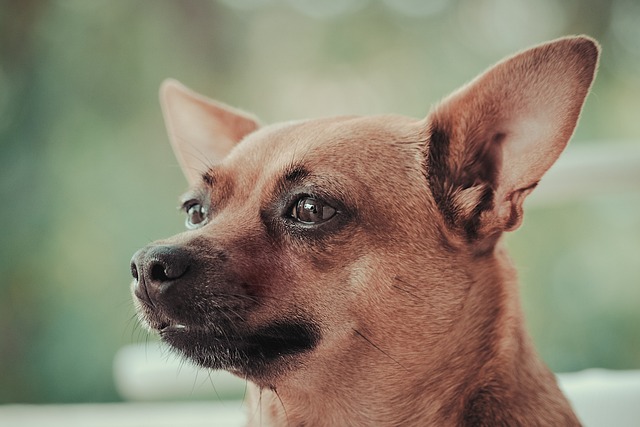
258, 354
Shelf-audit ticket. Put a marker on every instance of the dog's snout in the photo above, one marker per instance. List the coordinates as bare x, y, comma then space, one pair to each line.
154, 268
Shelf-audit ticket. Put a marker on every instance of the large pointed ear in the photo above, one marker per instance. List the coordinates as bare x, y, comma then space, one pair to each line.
202, 131
491, 141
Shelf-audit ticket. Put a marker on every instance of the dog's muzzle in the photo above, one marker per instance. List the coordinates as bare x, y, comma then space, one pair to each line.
200, 308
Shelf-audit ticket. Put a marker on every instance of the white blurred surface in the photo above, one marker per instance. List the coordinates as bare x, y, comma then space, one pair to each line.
185, 414
604, 398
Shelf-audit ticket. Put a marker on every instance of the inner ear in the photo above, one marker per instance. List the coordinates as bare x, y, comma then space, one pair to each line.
463, 189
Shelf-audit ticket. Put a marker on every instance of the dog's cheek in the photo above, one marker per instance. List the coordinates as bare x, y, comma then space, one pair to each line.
325, 260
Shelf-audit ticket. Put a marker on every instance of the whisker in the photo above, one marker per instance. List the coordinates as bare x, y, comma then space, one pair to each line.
411, 290
259, 407
215, 390
286, 415
194, 152
244, 393
379, 349
406, 291
195, 380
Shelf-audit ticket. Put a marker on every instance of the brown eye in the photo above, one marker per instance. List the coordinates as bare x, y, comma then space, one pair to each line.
309, 210
196, 215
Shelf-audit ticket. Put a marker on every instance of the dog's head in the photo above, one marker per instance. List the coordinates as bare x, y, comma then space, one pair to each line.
315, 243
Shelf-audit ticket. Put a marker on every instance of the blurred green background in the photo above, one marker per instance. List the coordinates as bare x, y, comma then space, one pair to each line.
87, 175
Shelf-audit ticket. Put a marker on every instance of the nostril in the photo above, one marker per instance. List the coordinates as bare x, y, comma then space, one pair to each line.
134, 270
136, 263
167, 268
158, 272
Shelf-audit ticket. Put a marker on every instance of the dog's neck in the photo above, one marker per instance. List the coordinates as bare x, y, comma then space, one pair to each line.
486, 372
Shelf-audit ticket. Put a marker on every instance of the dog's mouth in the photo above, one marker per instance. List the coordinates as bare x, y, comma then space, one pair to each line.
245, 352
222, 339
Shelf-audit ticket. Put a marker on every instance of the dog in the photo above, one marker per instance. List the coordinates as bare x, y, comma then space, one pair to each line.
352, 269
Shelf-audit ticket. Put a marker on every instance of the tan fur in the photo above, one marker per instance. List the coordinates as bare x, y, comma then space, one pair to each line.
413, 295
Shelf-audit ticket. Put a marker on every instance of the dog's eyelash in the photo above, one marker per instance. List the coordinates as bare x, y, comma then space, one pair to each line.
189, 204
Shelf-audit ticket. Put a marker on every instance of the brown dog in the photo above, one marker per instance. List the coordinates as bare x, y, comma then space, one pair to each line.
351, 268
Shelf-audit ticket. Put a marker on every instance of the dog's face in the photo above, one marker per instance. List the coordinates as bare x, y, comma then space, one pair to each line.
294, 239
315, 244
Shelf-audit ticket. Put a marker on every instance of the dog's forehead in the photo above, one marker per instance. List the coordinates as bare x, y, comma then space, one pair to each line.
326, 140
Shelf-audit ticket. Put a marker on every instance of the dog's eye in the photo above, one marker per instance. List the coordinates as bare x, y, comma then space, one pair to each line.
309, 210
196, 215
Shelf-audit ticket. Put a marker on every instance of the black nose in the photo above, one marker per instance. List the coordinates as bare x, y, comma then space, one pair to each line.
156, 268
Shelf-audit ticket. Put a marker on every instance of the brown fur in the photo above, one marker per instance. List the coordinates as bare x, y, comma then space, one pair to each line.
402, 309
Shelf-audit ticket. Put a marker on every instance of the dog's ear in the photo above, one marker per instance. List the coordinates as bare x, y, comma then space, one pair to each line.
491, 141
201, 131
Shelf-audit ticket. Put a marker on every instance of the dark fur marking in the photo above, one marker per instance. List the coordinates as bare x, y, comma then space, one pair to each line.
296, 174
283, 338
208, 178
271, 224
480, 409
482, 163
438, 171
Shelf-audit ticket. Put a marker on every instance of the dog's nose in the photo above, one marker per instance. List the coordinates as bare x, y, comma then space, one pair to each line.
155, 268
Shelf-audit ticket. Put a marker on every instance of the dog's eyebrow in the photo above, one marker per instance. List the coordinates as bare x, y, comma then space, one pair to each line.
209, 177
295, 174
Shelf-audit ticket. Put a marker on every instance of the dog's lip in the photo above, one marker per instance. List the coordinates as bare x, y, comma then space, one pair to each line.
168, 329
